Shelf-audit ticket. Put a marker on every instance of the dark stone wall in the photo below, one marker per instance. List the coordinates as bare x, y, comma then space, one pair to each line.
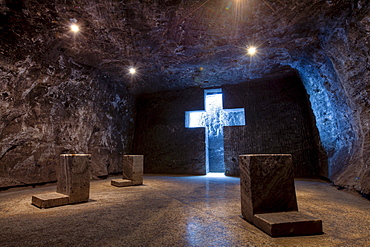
61, 108
52, 101
161, 136
279, 120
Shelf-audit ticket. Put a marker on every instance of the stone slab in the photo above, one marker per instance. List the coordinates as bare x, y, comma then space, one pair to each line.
288, 224
121, 182
133, 168
73, 177
49, 200
267, 184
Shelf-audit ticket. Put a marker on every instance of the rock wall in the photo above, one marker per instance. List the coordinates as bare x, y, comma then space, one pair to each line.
347, 46
160, 135
50, 104
328, 43
279, 120
43, 116
49, 111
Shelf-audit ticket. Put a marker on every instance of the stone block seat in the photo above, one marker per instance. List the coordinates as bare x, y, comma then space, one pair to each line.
133, 166
73, 185
268, 198
49, 200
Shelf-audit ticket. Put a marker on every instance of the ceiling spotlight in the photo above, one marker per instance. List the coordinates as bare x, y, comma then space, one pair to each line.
251, 51
75, 28
132, 71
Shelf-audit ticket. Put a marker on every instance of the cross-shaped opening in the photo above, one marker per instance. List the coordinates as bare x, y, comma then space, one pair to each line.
214, 118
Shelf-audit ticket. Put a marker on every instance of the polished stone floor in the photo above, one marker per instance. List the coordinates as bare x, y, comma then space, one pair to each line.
175, 211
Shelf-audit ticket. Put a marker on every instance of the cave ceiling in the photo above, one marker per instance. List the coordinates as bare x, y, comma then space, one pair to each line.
173, 44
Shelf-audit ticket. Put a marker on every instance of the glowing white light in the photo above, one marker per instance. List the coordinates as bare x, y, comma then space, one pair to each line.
215, 175
213, 119
132, 71
75, 28
252, 51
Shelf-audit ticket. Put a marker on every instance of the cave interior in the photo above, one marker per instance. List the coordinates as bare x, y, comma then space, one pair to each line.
126, 76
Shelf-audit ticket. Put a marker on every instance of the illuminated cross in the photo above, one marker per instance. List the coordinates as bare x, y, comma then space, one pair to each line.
214, 118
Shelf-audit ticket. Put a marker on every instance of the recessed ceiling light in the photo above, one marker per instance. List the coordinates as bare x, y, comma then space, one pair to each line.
75, 28
132, 71
251, 51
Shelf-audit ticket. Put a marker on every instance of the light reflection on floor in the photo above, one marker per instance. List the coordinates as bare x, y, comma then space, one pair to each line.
175, 210
215, 175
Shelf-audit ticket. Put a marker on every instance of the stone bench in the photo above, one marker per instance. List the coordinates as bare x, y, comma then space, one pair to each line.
268, 198
133, 167
73, 185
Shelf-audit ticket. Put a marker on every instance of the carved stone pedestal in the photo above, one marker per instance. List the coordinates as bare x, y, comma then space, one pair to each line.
268, 198
133, 167
288, 223
73, 185
49, 200
121, 182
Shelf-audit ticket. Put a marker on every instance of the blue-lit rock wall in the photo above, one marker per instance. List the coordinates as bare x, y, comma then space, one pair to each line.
347, 49
328, 44
333, 114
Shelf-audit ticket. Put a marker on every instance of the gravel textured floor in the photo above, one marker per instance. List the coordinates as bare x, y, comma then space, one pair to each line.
175, 211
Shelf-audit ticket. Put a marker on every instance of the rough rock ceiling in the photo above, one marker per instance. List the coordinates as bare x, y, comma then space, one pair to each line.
173, 44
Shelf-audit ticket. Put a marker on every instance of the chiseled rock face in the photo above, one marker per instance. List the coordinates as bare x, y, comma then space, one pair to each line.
54, 82
50, 104
44, 115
